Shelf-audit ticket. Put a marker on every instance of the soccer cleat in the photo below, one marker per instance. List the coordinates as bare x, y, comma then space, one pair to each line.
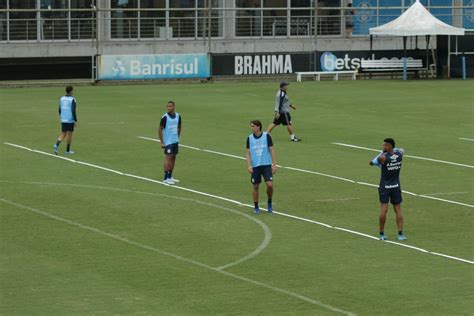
175, 180
270, 208
70, 152
256, 210
55, 149
296, 139
168, 181
401, 237
382, 237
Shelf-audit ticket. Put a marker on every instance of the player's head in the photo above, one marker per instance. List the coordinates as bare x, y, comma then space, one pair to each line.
69, 89
256, 126
284, 85
170, 106
388, 144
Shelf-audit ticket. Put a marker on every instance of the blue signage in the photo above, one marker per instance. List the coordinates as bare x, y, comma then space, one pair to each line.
365, 16
468, 15
140, 67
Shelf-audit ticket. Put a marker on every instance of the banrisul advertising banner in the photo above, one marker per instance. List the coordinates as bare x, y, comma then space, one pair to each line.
260, 64
350, 60
140, 67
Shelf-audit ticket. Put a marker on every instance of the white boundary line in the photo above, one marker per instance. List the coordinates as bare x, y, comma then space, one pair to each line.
177, 257
468, 139
266, 230
240, 203
416, 157
319, 174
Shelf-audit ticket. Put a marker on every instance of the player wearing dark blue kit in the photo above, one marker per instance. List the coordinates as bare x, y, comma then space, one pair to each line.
390, 163
67, 114
169, 132
261, 162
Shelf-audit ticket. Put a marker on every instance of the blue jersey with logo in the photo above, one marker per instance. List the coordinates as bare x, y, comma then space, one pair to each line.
390, 170
171, 129
259, 150
67, 109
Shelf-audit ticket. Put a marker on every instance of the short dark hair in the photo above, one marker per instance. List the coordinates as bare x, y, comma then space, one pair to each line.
69, 89
172, 102
390, 141
257, 123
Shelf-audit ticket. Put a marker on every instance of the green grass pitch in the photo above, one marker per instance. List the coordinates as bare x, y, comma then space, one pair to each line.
77, 240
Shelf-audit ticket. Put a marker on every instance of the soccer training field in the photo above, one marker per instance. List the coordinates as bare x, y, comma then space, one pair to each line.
100, 234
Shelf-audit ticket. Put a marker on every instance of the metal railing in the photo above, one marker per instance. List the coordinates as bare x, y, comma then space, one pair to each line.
224, 23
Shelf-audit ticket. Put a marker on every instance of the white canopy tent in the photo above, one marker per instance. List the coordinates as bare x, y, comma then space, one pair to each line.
415, 21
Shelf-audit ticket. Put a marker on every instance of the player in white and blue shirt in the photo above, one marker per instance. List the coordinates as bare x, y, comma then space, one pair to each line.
390, 163
261, 162
169, 132
68, 116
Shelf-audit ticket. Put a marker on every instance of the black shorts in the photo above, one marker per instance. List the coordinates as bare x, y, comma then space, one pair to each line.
284, 119
258, 172
172, 149
67, 127
394, 195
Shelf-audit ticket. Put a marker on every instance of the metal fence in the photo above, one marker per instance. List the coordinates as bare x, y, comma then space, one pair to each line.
40, 25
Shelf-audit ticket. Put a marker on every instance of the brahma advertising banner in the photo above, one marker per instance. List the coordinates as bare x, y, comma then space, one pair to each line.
260, 64
141, 67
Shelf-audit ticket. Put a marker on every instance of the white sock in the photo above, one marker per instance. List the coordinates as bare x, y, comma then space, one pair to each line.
292, 136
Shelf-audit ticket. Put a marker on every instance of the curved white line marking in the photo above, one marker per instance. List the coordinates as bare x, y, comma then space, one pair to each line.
266, 230
177, 257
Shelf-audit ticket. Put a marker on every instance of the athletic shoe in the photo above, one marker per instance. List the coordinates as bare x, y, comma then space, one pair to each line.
174, 180
296, 139
401, 237
270, 208
256, 210
55, 149
70, 152
382, 237
168, 181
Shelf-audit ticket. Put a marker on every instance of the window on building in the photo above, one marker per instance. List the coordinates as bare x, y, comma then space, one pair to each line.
248, 20
82, 22
3, 21
329, 20
124, 20
217, 22
301, 17
153, 18
183, 18
275, 22
53, 23
23, 24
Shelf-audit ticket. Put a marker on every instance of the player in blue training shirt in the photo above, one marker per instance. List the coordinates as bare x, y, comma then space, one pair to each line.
67, 114
261, 162
169, 132
390, 163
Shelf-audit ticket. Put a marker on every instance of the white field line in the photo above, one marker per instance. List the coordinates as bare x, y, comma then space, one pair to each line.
447, 193
316, 173
177, 257
468, 139
416, 157
247, 205
266, 230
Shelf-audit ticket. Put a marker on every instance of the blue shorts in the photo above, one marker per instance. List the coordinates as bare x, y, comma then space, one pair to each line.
171, 149
394, 195
258, 172
67, 127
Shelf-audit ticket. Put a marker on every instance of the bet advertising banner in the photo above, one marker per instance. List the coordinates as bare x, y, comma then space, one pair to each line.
140, 67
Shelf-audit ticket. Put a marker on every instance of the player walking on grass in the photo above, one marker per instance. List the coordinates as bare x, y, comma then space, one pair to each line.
169, 132
390, 162
282, 112
261, 162
67, 114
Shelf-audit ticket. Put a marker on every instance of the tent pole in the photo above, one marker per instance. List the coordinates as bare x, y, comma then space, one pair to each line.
404, 58
427, 54
449, 56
